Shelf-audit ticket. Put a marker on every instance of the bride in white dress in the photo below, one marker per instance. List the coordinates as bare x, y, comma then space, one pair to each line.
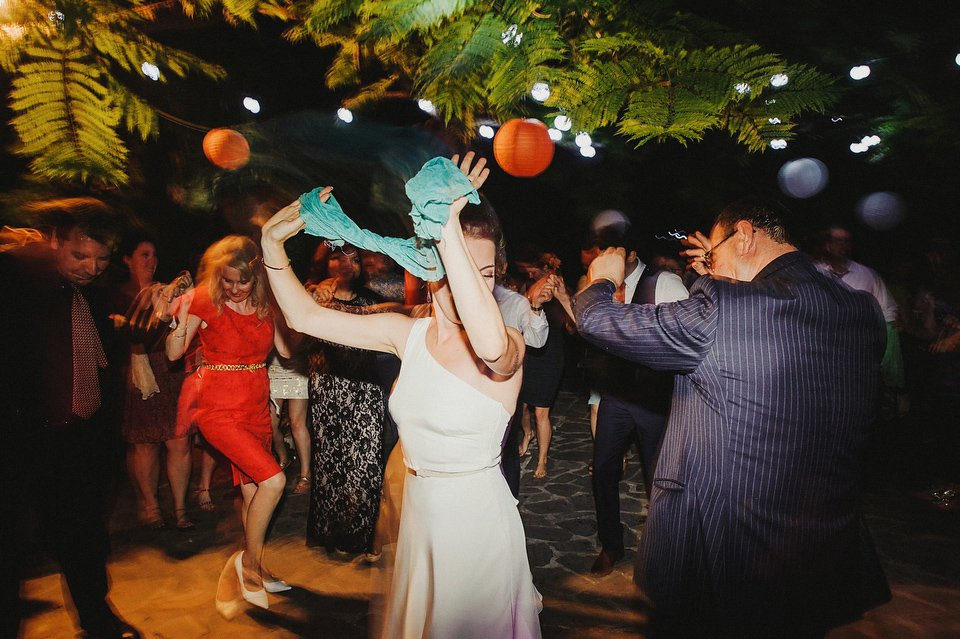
461, 567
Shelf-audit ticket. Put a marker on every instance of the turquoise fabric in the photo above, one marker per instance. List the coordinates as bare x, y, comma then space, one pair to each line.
431, 191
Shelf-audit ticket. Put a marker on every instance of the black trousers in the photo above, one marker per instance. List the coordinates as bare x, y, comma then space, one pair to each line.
617, 420
68, 497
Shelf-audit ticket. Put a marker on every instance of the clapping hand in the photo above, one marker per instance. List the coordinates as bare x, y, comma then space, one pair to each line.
323, 292
541, 291
559, 288
166, 299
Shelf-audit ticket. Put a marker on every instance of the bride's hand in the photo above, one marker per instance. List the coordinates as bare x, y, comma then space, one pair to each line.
477, 174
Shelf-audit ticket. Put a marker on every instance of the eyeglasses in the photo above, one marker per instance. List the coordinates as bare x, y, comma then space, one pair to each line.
708, 256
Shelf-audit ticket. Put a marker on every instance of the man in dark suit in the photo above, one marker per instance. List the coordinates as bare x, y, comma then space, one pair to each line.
59, 408
634, 401
755, 528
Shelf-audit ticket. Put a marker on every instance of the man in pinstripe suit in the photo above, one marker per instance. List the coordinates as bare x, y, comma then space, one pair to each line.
755, 528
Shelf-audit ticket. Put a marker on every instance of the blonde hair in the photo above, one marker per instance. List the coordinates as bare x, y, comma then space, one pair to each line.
239, 252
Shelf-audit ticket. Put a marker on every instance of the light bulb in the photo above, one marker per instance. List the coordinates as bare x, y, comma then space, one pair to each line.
251, 104
540, 91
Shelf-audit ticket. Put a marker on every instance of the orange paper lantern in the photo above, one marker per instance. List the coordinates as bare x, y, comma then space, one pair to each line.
523, 147
226, 148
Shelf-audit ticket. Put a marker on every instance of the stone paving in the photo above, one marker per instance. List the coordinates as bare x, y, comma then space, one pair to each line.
163, 582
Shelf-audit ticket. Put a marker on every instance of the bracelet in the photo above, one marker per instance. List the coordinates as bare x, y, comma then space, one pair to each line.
276, 268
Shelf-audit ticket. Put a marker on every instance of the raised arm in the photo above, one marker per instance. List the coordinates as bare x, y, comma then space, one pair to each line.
380, 332
499, 347
671, 336
178, 340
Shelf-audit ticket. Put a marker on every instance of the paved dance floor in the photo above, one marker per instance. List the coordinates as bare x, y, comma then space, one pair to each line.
163, 582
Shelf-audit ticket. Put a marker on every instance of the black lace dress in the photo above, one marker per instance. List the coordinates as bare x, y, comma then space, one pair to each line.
347, 411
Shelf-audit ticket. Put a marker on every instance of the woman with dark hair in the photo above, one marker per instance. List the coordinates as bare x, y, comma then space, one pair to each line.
347, 412
230, 312
461, 567
543, 368
153, 386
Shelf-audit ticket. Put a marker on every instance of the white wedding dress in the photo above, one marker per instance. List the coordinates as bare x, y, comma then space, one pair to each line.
461, 568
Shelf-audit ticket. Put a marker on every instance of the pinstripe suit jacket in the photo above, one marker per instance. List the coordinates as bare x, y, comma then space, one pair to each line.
754, 523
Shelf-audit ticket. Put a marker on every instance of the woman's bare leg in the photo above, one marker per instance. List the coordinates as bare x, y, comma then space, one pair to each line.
279, 446
259, 502
544, 435
208, 464
179, 467
594, 409
526, 428
297, 409
144, 464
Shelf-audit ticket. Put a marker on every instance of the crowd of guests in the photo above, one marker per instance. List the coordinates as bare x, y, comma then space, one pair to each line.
230, 361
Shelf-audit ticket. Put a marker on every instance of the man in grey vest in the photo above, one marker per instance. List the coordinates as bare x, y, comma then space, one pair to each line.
634, 400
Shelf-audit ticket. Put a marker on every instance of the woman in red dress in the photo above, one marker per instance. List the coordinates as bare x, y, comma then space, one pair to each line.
230, 312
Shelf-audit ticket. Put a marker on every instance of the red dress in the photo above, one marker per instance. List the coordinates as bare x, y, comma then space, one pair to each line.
232, 405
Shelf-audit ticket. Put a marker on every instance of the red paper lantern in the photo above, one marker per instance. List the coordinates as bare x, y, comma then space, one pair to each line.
523, 147
226, 148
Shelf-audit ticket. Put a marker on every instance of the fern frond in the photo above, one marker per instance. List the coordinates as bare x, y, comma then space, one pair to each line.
371, 93
343, 71
66, 118
137, 116
322, 15
394, 19
515, 69
199, 8
521, 11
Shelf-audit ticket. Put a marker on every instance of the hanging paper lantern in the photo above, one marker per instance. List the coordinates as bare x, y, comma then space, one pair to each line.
523, 147
226, 148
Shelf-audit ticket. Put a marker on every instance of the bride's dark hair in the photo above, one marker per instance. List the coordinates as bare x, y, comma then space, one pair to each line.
481, 221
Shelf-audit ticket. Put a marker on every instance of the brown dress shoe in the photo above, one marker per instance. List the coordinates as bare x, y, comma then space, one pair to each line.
605, 562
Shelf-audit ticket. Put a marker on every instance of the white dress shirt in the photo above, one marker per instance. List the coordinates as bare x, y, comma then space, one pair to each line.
517, 313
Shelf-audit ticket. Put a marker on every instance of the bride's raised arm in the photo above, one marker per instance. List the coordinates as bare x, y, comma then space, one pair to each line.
500, 348
379, 332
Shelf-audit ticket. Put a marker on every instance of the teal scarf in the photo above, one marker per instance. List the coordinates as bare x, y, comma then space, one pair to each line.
431, 191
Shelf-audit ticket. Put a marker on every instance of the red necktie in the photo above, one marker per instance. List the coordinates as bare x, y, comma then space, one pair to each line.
88, 357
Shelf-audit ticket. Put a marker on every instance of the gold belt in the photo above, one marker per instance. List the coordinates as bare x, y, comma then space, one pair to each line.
235, 367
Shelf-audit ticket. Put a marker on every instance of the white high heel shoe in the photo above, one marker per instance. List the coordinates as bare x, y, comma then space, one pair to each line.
276, 585
256, 597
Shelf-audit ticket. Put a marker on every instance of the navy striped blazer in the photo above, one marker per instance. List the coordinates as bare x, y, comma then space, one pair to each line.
754, 523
